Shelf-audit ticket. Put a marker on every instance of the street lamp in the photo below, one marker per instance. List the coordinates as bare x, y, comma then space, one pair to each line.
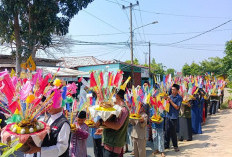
154, 22
132, 61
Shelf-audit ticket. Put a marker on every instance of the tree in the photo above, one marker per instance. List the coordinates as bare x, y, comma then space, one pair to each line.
214, 65
186, 70
136, 61
170, 71
29, 25
195, 69
157, 68
227, 60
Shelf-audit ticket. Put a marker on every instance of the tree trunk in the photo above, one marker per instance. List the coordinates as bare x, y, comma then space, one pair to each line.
18, 43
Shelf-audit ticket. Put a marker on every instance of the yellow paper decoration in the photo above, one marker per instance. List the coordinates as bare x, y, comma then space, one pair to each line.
57, 82
29, 62
123, 87
12, 73
30, 98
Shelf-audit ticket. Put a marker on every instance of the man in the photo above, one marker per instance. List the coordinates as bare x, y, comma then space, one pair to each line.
56, 143
115, 132
175, 101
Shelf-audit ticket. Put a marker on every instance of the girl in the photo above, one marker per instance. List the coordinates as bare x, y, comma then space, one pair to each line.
79, 137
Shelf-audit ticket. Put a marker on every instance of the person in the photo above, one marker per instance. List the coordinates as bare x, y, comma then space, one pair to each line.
115, 131
185, 132
56, 143
2, 120
175, 101
97, 141
138, 133
202, 105
79, 137
196, 117
158, 137
146, 87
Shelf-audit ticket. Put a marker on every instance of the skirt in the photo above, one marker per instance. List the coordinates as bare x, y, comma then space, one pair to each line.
185, 132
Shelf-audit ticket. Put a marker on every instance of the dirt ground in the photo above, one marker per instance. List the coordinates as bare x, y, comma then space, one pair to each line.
215, 141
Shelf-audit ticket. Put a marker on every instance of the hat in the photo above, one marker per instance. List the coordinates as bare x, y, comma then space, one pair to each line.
82, 115
176, 86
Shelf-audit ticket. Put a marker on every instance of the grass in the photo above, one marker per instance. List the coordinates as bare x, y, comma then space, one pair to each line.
224, 105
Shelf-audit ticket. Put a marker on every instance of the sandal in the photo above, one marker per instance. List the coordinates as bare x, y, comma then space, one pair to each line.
155, 152
176, 149
162, 154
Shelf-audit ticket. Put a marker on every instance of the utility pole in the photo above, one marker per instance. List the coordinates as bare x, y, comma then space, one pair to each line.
145, 53
149, 44
131, 39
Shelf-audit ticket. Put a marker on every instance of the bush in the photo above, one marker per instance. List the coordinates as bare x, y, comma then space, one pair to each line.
224, 106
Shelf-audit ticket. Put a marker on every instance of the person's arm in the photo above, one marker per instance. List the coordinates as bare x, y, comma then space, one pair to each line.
116, 125
176, 106
132, 122
62, 143
82, 133
143, 121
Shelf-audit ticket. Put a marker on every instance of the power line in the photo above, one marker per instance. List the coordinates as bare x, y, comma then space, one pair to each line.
142, 23
158, 34
181, 47
201, 33
181, 15
125, 1
103, 21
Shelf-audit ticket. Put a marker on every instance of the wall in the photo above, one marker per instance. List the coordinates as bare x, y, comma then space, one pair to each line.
137, 77
112, 67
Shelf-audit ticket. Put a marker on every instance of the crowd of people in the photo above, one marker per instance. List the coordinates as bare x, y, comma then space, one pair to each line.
111, 137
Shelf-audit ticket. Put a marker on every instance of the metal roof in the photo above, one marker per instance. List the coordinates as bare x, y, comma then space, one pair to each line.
73, 62
62, 72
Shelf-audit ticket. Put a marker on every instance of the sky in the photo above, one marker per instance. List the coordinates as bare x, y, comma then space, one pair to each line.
105, 21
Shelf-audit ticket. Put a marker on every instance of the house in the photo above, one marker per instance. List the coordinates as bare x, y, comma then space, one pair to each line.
90, 63
47, 65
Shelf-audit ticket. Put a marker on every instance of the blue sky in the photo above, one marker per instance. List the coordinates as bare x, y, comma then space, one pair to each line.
187, 17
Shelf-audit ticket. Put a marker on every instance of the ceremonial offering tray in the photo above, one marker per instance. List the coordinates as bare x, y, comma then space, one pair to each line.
135, 116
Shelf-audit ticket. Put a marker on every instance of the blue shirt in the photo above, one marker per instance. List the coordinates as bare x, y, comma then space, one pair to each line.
93, 130
173, 113
161, 125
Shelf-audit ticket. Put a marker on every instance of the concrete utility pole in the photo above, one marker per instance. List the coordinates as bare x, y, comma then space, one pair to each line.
145, 53
131, 39
149, 44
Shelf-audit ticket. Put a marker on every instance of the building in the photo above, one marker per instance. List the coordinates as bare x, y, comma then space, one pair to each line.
7, 62
90, 63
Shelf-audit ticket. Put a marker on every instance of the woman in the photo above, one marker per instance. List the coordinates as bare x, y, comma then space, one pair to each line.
196, 117
185, 120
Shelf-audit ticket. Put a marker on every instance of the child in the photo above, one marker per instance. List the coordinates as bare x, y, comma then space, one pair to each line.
158, 138
79, 137
138, 134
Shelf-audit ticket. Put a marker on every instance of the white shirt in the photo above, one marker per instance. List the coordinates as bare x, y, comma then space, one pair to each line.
62, 140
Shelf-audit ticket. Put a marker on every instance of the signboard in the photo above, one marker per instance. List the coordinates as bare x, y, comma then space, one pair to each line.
144, 73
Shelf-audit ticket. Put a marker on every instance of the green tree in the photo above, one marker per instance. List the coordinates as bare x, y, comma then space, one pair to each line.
157, 68
195, 69
29, 25
136, 61
213, 64
227, 60
170, 71
186, 70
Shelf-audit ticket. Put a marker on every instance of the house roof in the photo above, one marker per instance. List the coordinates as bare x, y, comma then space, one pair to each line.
63, 71
36, 59
74, 62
